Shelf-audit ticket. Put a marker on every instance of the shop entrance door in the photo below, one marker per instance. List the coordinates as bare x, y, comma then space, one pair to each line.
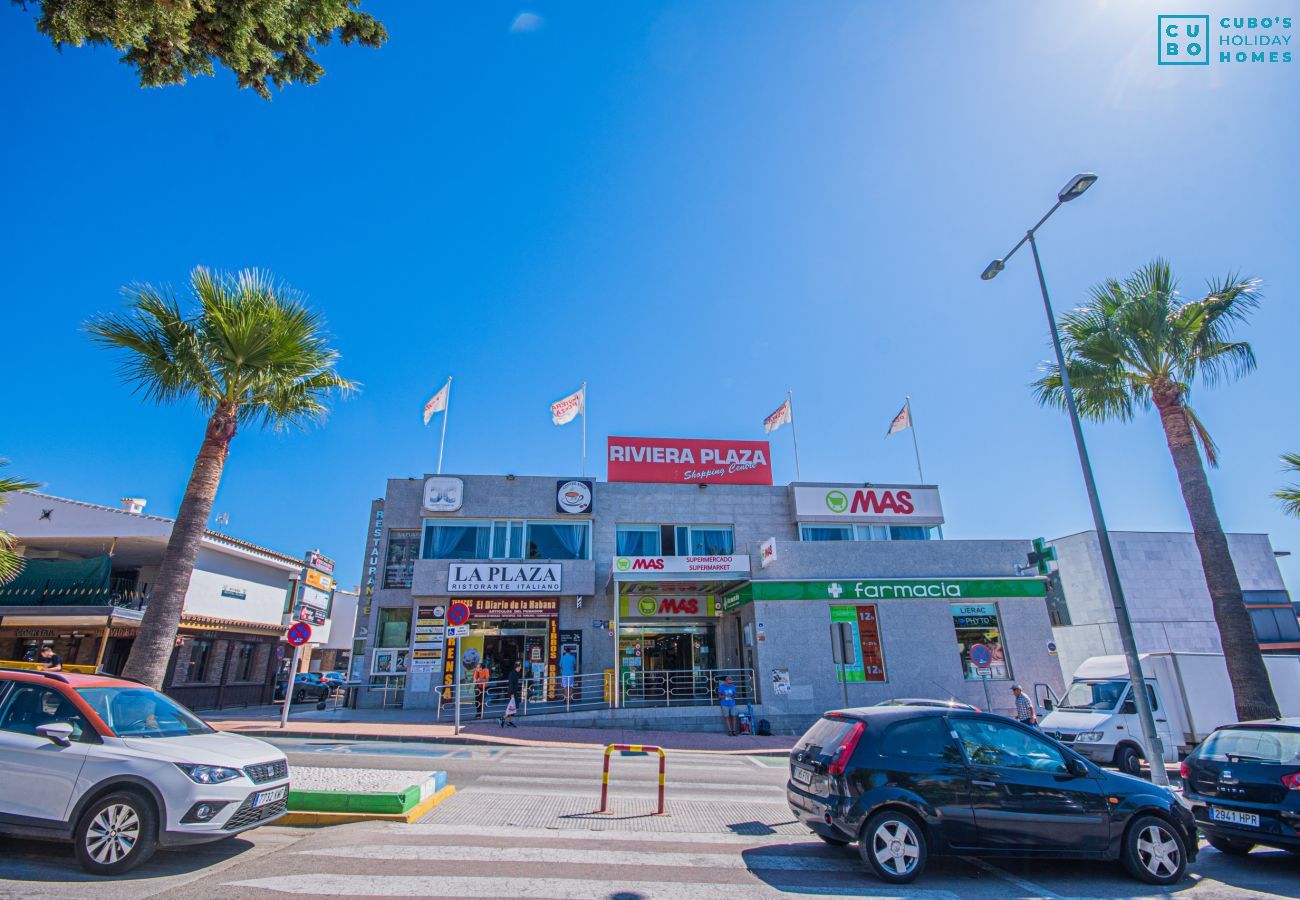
667, 653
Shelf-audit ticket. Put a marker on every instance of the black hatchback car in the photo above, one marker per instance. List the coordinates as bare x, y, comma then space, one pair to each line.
1243, 783
905, 782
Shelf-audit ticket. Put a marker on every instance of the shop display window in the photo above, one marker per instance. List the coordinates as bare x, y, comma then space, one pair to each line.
979, 641
394, 626
399, 564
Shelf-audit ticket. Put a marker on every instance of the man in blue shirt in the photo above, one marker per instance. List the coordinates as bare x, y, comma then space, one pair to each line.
568, 668
727, 700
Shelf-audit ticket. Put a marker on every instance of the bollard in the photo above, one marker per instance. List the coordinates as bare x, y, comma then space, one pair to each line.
632, 748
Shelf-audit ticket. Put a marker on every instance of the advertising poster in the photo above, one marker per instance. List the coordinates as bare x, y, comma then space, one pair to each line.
868, 664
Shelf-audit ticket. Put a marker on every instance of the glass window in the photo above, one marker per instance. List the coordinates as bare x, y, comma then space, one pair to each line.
871, 532
638, 540
1273, 625
394, 626
1130, 708
457, 540
399, 564
142, 712
909, 533
712, 542
1098, 695
825, 533
558, 540
1005, 746
31, 706
825, 737
1274, 745
926, 738
979, 641
241, 664
200, 655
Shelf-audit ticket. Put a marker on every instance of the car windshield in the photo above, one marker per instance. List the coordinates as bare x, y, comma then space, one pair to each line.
142, 712
1274, 745
1095, 695
825, 737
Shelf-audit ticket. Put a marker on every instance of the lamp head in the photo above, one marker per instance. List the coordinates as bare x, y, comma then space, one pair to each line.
992, 269
1076, 186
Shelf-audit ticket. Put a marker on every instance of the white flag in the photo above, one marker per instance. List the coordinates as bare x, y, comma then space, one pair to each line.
437, 403
782, 416
564, 410
901, 421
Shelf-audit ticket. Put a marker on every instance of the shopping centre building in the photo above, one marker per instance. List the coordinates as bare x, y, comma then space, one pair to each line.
690, 564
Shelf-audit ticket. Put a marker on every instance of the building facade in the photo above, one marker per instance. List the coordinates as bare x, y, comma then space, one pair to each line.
655, 585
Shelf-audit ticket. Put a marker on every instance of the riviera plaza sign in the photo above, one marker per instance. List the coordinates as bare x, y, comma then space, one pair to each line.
689, 461
920, 589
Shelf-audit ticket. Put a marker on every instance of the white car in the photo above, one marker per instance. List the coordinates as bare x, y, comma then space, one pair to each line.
120, 769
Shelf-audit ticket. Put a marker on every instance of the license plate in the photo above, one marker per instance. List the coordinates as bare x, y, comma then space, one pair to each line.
1232, 817
264, 797
803, 776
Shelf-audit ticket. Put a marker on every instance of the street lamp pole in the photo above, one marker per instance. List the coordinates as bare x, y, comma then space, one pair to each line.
1137, 683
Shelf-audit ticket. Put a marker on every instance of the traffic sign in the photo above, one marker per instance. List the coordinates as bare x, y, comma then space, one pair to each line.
457, 614
1051, 647
299, 634
457, 631
981, 655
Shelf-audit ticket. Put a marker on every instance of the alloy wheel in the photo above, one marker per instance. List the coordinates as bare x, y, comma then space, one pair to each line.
1157, 851
113, 833
895, 847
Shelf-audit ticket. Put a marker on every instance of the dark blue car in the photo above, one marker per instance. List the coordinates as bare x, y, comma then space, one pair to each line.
905, 782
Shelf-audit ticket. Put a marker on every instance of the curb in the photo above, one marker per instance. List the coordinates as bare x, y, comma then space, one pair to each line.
331, 818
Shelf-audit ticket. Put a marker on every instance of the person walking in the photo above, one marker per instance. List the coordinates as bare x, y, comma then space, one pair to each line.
514, 694
727, 700
480, 687
568, 669
1025, 711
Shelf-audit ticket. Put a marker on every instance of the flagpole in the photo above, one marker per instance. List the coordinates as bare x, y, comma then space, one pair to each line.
916, 448
445, 413
798, 473
584, 427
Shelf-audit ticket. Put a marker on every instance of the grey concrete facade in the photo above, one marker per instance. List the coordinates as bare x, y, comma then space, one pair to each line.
917, 635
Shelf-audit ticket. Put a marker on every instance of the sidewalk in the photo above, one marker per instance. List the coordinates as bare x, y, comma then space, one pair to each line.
414, 725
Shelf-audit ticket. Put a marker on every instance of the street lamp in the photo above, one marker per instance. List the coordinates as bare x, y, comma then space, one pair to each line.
1154, 751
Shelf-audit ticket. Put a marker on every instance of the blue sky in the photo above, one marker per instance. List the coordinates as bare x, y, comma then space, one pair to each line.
693, 207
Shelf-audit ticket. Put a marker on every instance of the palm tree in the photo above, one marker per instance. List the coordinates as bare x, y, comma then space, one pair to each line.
10, 562
1290, 495
249, 352
1138, 343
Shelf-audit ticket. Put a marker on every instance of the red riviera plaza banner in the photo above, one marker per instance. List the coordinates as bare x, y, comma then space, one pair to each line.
689, 461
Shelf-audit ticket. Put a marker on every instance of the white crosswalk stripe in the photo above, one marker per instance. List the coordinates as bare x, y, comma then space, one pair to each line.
604, 836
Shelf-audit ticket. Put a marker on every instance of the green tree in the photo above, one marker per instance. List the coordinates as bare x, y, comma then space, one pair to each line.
249, 352
10, 562
165, 41
1138, 343
1290, 495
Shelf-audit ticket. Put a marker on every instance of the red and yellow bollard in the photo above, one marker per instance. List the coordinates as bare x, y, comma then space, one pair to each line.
632, 748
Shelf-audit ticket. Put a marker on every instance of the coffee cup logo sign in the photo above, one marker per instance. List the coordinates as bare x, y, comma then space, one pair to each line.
573, 497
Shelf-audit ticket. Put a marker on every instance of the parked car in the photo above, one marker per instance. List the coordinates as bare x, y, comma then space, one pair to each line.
308, 687
120, 769
335, 680
921, 701
1243, 784
906, 781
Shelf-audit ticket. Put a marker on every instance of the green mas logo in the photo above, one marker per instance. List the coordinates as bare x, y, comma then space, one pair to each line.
622, 563
647, 606
837, 501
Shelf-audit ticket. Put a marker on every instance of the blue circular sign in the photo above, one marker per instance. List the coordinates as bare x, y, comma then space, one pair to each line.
299, 633
457, 614
981, 655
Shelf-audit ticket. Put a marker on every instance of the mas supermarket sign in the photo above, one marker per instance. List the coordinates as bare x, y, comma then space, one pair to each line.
876, 503
689, 461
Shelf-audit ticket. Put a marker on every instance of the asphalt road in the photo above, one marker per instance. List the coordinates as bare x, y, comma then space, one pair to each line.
523, 824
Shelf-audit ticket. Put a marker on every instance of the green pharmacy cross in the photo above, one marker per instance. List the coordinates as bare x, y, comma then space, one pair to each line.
1041, 555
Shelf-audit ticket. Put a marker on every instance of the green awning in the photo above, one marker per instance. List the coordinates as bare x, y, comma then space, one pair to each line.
60, 582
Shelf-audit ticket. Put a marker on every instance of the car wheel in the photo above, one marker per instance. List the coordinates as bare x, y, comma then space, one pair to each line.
1128, 760
1154, 851
116, 833
1229, 846
833, 841
894, 846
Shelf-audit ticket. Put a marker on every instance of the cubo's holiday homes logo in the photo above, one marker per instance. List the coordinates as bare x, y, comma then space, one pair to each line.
1187, 40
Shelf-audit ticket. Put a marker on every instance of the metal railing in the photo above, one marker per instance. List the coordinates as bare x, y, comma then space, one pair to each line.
124, 593
683, 687
539, 695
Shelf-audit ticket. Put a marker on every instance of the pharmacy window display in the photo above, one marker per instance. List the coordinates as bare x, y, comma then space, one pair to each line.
979, 641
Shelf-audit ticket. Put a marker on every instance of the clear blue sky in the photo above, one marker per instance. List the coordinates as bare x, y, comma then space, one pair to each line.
694, 207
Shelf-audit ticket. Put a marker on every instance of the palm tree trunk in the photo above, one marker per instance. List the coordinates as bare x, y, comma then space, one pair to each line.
156, 639
1250, 685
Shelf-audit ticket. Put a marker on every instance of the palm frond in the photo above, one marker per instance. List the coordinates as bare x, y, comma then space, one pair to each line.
10, 562
1290, 495
1098, 394
1203, 438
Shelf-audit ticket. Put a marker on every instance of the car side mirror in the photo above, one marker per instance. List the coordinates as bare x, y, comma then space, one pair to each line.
58, 732
1075, 766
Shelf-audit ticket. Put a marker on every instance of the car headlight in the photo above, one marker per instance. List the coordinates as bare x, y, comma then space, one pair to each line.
1088, 737
208, 774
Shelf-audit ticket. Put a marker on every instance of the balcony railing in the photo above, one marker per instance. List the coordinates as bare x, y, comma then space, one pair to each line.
683, 687
122, 593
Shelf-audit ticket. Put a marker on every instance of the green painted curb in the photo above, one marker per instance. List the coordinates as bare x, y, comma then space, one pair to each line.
341, 801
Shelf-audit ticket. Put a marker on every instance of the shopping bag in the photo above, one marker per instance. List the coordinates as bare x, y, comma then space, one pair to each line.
511, 709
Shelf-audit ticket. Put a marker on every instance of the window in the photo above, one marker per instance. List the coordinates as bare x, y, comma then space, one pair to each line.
394, 626
31, 706
820, 532
1130, 708
1275, 624
399, 564
926, 738
825, 532
200, 654
241, 663
979, 641
457, 540
559, 540
825, 737
638, 540
1005, 746
705, 540
1274, 745
142, 712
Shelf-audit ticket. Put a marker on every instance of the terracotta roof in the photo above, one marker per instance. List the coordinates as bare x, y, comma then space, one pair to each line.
232, 624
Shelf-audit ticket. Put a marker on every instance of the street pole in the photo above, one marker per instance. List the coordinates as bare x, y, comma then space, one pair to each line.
288, 686
1137, 683
446, 412
456, 688
584, 429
